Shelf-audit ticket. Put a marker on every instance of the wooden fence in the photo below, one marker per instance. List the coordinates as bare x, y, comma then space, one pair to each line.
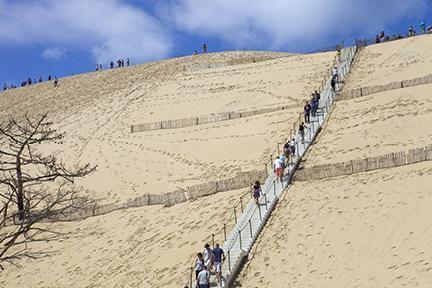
368, 90
205, 119
389, 160
241, 180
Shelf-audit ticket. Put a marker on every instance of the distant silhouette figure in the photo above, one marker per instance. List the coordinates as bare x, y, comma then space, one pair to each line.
40, 79
55, 82
204, 48
127, 62
112, 64
49, 78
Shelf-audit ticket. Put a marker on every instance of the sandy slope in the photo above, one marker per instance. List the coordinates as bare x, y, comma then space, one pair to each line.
392, 61
97, 109
144, 247
365, 230
374, 125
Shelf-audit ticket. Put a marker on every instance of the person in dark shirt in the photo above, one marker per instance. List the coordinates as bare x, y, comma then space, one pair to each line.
307, 111
219, 257
333, 84
302, 131
112, 64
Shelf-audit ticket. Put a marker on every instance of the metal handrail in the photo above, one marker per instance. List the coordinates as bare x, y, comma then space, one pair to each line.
251, 209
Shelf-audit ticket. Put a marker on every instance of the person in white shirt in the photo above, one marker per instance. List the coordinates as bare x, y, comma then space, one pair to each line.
335, 73
204, 278
199, 265
208, 256
278, 168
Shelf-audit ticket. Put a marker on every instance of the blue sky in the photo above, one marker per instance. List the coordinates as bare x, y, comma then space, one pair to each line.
64, 37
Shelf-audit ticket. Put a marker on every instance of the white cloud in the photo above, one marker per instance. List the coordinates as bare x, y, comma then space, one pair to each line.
110, 29
54, 53
278, 23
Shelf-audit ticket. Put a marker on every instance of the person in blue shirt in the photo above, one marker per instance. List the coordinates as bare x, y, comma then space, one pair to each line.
422, 25
218, 257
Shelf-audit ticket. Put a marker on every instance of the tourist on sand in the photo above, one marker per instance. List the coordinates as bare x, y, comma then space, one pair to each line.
4, 87
40, 79
112, 64
429, 29
422, 25
307, 111
195, 52
49, 78
204, 278
127, 62
302, 132
199, 264
208, 256
55, 82
278, 168
219, 257
411, 31
256, 192
204, 48
122, 62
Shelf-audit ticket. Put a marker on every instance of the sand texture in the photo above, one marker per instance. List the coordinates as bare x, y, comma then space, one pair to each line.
142, 247
365, 230
373, 125
96, 111
391, 61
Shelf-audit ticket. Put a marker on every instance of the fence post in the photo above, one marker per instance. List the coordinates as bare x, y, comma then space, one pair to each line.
240, 239
265, 168
213, 243
265, 199
225, 232
274, 188
235, 216
241, 203
250, 227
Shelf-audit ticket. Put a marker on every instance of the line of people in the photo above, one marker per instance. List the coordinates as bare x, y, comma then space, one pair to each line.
29, 82
120, 64
382, 37
205, 262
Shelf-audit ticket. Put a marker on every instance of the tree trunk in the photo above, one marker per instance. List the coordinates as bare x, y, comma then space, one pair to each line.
20, 196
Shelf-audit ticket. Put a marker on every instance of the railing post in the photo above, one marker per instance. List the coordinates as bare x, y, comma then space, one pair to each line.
241, 203
224, 232
259, 210
213, 242
278, 148
265, 168
229, 261
190, 280
265, 199
250, 227
240, 239
297, 149
235, 215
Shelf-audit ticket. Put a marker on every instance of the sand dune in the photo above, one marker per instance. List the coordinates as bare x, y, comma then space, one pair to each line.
143, 247
366, 230
153, 246
97, 109
391, 61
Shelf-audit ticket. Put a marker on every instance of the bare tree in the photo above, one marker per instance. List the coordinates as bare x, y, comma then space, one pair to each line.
34, 188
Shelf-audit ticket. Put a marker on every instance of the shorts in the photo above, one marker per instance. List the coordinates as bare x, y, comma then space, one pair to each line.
279, 171
218, 267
